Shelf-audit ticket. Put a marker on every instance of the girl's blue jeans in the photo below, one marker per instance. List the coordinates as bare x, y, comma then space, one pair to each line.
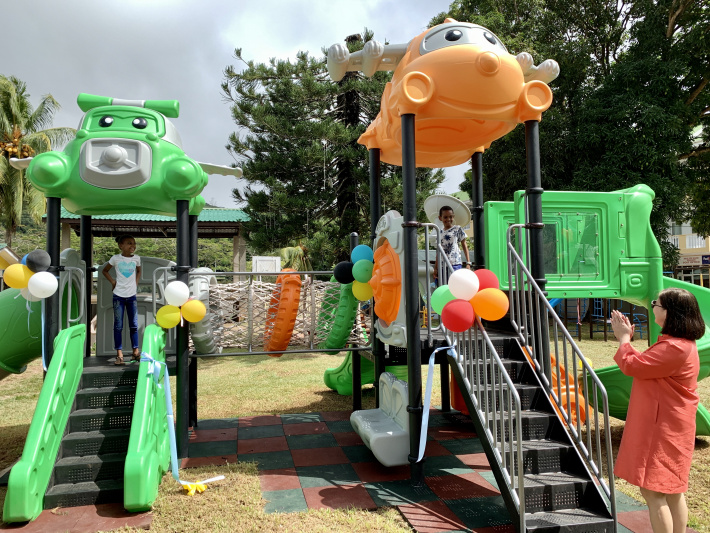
131, 308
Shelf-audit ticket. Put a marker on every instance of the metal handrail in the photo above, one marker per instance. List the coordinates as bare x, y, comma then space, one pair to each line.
525, 298
478, 362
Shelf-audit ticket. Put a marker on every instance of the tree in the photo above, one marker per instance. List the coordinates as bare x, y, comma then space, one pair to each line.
23, 134
308, 179
632, 89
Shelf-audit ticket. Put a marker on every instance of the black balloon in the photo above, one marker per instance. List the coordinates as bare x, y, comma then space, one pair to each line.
343, 272
38, 261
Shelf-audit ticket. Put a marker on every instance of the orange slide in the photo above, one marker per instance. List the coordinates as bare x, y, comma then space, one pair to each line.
283, 308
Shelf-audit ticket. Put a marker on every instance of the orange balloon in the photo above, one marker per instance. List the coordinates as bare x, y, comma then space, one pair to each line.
490, 304
17, 276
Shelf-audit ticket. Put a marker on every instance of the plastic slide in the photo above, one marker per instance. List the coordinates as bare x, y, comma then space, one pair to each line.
20, 332
618, 386
341, 378
337, 315
283, 309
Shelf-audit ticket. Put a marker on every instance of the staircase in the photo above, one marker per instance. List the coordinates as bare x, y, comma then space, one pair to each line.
90, 463
560, 493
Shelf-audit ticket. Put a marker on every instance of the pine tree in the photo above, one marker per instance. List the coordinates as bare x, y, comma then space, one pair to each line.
307, 178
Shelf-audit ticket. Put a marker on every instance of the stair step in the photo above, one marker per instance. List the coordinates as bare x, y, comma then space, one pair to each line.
535, 425
555, 491
514, 369
89, 468
569, 520
95, 398
527, 394
99, 442
543, 456
101, 419
88, 493
109, 375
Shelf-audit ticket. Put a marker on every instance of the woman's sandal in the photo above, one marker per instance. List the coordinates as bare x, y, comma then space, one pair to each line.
136, 357
119, 361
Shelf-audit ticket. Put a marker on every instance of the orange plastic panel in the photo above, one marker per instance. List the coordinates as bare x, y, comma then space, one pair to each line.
386, 282
283, 309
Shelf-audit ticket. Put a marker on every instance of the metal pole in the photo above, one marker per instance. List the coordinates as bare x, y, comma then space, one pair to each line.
378, 347
52, 304
414, 356
479, 242
535, 231
87, 255
192, 374
356, 358
182, 355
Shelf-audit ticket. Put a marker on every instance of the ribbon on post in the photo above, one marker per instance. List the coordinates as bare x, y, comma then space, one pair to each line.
154, 368
427, 401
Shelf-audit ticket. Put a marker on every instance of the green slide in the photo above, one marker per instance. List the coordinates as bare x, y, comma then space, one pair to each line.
20, 332
618, 386
341, 378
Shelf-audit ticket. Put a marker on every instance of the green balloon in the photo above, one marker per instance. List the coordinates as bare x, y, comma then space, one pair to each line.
440, 297
362, 270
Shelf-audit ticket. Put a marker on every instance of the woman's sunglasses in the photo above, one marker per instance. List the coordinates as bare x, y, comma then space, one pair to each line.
654, 303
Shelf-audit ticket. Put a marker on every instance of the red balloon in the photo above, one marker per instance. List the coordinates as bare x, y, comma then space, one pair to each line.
487, 279
458, 315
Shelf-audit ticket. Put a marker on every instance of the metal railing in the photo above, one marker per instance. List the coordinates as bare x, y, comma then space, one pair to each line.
497, 404
571, 382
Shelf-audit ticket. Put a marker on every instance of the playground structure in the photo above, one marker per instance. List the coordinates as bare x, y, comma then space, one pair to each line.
534, 424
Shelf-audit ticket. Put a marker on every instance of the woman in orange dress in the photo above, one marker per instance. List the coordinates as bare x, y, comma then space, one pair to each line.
657, 446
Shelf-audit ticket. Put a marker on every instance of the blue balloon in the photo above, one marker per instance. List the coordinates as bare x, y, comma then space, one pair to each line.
24, 259
362, 251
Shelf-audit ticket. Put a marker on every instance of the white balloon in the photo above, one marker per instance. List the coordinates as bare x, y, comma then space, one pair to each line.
177, 293
464, 284
27, 296
42, 284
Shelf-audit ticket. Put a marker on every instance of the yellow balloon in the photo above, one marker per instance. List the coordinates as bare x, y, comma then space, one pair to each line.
193, 310
17, 276
362, 291
168, 316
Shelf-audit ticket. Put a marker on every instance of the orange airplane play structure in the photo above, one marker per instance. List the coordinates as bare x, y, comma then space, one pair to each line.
459, 80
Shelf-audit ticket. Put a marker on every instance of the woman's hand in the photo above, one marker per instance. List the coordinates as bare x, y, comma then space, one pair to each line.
623, 329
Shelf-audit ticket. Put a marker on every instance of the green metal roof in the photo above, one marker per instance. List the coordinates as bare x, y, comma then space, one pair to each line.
208, 214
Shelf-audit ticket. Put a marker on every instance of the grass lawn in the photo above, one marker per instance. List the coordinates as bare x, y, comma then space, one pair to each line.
259, 385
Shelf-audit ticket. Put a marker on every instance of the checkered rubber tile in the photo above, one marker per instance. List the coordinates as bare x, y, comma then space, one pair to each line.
316, 461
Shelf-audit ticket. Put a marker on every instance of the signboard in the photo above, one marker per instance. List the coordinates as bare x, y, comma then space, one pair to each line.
265, 264
693, 260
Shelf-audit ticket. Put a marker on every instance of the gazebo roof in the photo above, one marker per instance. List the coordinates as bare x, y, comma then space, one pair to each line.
212, 223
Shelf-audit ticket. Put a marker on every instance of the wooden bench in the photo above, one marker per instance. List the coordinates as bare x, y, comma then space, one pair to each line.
385, 430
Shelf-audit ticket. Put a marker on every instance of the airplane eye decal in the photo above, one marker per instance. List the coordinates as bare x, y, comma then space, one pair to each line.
140, 123
490, 38
453, 35
106, 121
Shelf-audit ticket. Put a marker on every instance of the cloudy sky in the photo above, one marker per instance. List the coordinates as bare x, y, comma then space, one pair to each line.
178, 49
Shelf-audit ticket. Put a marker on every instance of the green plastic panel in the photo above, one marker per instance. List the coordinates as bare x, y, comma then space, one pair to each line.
30, 477
148, 456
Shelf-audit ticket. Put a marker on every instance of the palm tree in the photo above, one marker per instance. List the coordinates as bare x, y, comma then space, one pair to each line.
23, 134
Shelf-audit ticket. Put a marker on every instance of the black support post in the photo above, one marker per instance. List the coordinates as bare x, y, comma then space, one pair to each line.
535, 231
378, 348
356, 358
182, 371
414, 355
52, 303
192, 375
87, 255
479, 243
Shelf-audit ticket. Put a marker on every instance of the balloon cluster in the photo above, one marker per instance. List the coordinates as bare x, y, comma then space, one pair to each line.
357, 271
179, 306
469, 293
31, 276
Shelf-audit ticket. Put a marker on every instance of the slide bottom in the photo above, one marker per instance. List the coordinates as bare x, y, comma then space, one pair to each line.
341, 379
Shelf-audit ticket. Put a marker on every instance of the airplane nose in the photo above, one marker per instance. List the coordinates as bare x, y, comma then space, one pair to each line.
114, 156
488, 63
